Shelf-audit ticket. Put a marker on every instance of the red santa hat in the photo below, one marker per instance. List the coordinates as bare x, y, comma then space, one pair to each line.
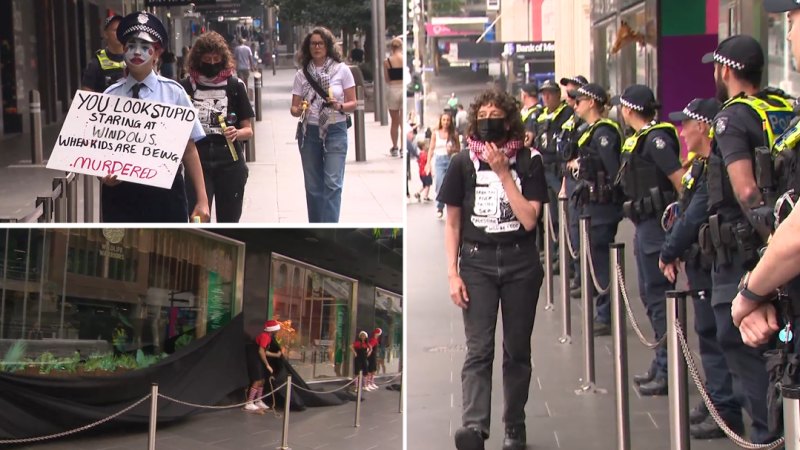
377, 332
271, 325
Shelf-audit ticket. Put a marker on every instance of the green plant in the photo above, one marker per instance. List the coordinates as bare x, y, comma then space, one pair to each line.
46, 362
70, 363
183, 341
126, 361
143, 360
14, 356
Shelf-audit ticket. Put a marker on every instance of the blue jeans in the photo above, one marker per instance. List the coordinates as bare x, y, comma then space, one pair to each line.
440, 165
323, 171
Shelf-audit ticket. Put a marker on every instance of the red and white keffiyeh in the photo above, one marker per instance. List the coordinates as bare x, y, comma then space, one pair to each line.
478, 149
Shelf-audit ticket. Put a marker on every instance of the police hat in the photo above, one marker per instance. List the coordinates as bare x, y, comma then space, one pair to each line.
549, 85
111, 19
579, 80
700, 109
529, 88
739, 52
637, 97
591, 90
142, 25
778, 6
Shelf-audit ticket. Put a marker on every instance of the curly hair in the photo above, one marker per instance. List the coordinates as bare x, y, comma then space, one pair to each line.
210, 42
504, 101
303, 55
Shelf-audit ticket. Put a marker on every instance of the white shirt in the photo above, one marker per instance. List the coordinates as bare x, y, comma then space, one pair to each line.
341, 79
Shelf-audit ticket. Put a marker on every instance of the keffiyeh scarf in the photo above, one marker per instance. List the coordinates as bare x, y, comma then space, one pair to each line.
478, 149
322, 75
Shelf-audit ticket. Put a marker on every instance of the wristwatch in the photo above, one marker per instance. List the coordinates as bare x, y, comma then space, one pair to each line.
750, 295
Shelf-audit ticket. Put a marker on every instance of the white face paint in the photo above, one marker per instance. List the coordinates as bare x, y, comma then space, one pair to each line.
138, 52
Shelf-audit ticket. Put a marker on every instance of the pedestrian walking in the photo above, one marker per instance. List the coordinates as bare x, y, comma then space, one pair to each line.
143, 36
444, 144
261, 355
393, 75
323, 93
494, 194
361, 352
244, 61
225, 114
424, 173
108, 64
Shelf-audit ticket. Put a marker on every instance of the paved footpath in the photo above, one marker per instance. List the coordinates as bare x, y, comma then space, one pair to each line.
373, 189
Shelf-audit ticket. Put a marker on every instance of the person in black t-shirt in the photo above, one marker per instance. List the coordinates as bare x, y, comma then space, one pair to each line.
107, 65
220, 98
494, 191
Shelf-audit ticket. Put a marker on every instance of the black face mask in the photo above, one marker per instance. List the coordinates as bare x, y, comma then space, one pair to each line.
211, 70
491, 130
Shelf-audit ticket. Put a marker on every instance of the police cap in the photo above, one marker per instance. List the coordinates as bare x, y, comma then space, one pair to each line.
578, 80
529, 88
111, 19
549, 85
637, 97
142, 25
591, 90
778, 6
700, 109
740, 52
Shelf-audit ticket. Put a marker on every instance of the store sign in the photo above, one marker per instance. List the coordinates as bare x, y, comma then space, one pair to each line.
493, 5
111, 248
138, 140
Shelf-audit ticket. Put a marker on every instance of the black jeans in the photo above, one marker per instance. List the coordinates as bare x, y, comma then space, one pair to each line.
508, 276
224, 179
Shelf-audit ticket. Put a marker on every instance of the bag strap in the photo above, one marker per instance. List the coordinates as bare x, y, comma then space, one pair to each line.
321, 92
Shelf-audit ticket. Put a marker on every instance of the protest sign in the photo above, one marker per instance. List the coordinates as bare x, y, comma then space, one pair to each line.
138, 140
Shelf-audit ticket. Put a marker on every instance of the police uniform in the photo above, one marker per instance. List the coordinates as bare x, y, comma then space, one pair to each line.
529, 115
681, 243
649, 156
105, 68
598, 150
744, 124
131, 202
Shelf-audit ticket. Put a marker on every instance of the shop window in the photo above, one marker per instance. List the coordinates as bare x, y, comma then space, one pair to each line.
389, 318
780, 64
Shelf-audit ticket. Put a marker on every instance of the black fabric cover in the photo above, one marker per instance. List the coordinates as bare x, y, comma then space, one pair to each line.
203, 372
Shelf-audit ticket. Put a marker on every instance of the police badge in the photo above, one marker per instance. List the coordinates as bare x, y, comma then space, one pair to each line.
660, 144
604, 141
721, 125
142, 19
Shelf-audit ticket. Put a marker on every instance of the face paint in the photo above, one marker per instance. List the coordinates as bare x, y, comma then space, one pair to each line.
138, 52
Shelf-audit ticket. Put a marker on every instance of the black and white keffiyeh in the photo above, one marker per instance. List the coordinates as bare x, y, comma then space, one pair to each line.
322, 75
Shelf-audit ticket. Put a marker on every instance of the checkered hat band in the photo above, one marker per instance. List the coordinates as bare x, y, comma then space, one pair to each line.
631, 105
698, 117
591, 95
728, 62
146, 29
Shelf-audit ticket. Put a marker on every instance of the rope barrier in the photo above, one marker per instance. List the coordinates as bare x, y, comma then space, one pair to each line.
572, 252
76, 430
587, 245
631, 317
238, 405
738, 440
390, 381
325, 392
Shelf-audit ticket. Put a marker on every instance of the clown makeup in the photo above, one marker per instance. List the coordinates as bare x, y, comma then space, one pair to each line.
138, 52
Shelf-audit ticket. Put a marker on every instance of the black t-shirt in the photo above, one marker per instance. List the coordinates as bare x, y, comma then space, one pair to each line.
605, 144
357, 55
487, 217
95, 78
211, 100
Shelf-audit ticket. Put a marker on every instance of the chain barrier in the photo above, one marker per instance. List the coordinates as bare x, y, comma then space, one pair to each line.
238, 405
76, 430
354, 380
572, 252
631, 317
738, 440
587, 245
390, 380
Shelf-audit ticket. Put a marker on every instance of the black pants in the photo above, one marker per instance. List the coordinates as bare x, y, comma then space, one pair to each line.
508, 277
224, 179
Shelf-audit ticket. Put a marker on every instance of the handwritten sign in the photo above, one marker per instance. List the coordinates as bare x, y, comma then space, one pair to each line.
138, 140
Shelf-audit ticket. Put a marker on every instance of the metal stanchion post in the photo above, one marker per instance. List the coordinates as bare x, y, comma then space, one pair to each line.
59, 203
791, 417
587, 296
677, 373
563, 255
358, 400
257, 87
400, 402
618, 331
36, 127
151, 436
285, 439
72, 198
88, 198
361, 145
548, 263
47, 209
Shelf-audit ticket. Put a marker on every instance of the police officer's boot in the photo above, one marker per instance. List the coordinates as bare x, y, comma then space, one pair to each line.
656, 387
698, 413
644, 377
708, 429
515, 438
469, 439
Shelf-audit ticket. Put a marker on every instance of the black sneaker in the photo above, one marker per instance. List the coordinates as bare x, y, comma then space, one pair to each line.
515, 438
707, 429
657, 387
698, 413
469, 439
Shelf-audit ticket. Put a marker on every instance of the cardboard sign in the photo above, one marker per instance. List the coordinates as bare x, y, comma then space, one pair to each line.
138, 140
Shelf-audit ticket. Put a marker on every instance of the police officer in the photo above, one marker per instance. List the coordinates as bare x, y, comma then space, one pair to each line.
108, 64
739, 220
531, 108
681, 244
650, 176
143, 35
598, 155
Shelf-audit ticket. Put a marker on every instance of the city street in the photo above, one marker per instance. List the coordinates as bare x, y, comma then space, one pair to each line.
274, 192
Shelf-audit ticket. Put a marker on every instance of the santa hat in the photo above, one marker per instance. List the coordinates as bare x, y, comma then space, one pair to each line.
363, 334
377, 332
271, 325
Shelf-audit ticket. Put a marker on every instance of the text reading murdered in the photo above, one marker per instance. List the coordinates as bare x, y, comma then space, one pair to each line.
136, 140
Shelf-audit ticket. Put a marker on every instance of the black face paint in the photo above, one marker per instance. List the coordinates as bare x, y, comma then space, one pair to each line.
491, 130
211, 70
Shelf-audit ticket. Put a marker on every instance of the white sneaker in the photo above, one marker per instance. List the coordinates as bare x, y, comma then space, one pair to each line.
262, 405
250, 406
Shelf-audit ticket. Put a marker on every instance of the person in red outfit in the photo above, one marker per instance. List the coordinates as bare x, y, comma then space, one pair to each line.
259, 368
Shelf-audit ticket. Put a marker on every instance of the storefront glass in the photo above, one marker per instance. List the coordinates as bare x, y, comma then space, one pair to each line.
316, 308
780, 65
74, 293
389, 318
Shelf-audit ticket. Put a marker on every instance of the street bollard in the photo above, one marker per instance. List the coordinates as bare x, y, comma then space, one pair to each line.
257, 86
151, 435
72, 198
678, 387
400, 403
88, 198
36, 127
59, 203
358, 400
286, 407
47, 209
563, 255
587, 296
791, 416
548, 263
618, 323
360, 130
